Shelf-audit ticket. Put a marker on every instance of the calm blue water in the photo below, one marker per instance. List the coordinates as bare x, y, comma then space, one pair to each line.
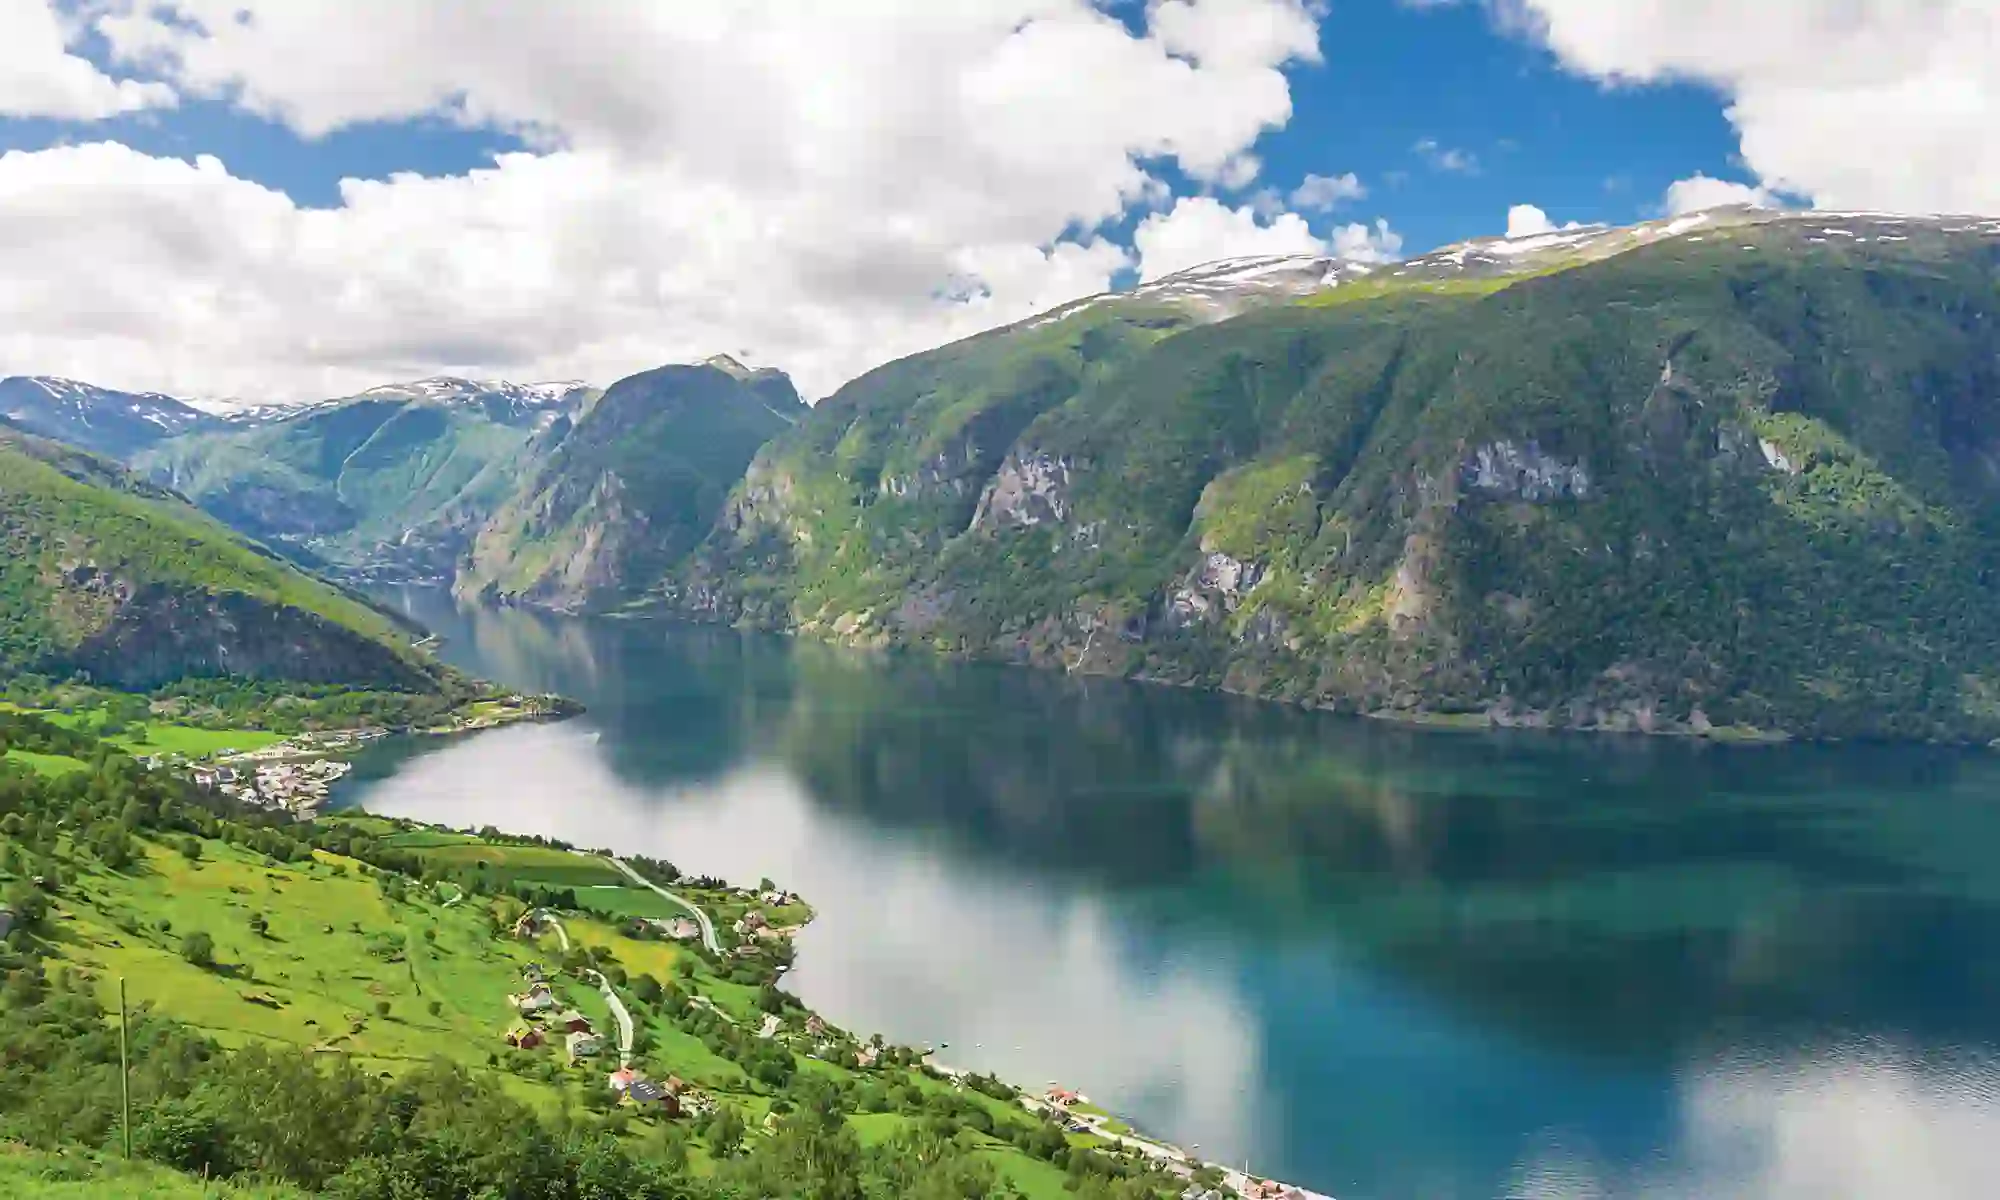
1378, 962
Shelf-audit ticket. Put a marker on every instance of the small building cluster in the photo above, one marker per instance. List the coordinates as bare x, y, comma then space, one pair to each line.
300, 785
663, 1096
540, 1022
1271, 1189
680, 929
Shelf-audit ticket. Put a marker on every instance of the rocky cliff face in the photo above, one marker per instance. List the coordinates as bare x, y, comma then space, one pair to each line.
642, 475
1663, 479
155, 634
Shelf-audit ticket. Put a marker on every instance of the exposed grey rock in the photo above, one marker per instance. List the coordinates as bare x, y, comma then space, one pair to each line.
1509, 469
1029, 489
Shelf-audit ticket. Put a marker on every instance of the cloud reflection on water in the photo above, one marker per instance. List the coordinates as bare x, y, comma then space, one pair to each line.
1855, 1122
1032, 982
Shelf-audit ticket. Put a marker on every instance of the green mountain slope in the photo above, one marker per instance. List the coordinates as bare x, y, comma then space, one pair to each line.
631, 488
105, 574
1740, 472
391, 483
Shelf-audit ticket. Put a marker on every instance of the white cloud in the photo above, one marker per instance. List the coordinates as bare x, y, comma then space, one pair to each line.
1874, 104
1699, 191
829, 186
39, 77
1201, 229
1368, 243
1449, 159
1526, 220
1324, 192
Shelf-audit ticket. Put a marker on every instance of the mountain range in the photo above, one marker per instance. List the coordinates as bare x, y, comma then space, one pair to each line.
1732, 472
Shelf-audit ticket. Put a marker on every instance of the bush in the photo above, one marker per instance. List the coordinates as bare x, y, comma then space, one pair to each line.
199, 949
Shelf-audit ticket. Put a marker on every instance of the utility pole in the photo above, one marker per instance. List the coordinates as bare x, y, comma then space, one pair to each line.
124, 1070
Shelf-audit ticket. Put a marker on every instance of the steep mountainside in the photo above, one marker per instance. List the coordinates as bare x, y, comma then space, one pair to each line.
390, 483
613, 501
1737, 470
103, 573
102, 420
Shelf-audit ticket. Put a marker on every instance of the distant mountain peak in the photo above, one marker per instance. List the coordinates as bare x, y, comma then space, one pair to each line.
727, 364
454, 389
100, 419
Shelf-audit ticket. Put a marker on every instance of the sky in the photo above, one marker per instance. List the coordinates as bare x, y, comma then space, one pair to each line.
290, 199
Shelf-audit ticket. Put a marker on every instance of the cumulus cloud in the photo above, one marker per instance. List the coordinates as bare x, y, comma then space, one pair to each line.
826, 186
1526, 220
1368, 243
1699, 191
42, 78
1324, 192
1872, 104
1201, 229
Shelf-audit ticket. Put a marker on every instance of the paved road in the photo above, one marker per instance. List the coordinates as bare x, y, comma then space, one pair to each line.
618, 1011
619, 1014
562, 935
708, 937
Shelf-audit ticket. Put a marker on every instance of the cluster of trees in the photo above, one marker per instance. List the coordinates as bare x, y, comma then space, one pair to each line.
288, 708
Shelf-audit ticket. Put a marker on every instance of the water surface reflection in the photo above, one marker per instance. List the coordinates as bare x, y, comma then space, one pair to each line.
1383, 962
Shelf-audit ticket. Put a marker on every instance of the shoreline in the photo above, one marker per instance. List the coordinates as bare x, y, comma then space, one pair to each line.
1174, 1158
1734, 736
1166, 1155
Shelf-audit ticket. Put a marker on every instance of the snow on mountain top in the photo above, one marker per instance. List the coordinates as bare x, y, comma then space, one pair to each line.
451, 388
83, 400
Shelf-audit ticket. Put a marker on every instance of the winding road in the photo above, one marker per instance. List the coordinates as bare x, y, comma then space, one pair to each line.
618, 1011
708, 937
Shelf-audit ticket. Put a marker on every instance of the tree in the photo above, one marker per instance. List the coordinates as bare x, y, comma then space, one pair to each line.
191, 849
381, 1008
436, 1008
725, 1131
199, 949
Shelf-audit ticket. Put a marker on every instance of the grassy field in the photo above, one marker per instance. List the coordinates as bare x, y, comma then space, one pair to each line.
334, 950
508, 864
32, 1175
47, 764
160, 737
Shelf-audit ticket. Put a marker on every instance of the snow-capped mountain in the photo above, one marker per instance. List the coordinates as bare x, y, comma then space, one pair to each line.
449, 389
95, 418
1218, 290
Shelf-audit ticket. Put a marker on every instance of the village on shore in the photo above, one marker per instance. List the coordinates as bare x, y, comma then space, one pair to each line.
297, 774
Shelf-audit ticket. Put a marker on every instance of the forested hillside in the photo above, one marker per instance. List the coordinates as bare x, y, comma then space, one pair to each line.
607, 505
104, 574
1741, 474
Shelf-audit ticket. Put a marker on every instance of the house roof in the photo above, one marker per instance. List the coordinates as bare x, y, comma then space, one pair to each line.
646, 1090
569, 1014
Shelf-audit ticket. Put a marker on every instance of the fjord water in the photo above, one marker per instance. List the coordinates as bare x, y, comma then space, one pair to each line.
1380, 962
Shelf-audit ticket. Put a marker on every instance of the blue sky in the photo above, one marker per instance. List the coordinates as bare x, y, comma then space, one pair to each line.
1393, 76
825, 187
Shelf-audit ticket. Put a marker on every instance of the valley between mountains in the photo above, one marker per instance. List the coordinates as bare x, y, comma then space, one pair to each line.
1735, 474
